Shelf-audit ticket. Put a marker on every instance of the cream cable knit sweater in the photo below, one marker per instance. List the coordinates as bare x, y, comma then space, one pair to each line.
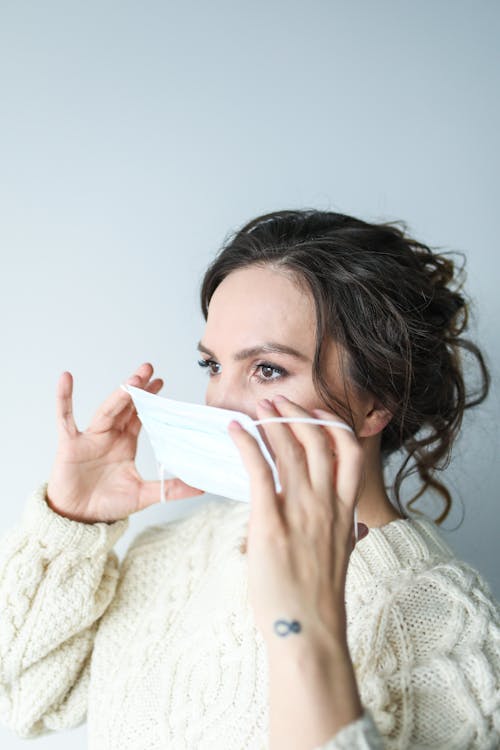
162, 652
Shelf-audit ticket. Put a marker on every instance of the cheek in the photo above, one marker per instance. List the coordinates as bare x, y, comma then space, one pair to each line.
300, 390
307, 400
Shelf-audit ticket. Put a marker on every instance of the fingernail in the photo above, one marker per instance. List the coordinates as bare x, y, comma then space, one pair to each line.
280, 398
362, 530
265, 403
319, 412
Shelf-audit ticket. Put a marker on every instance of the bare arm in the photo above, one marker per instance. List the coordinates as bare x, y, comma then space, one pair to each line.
313, 692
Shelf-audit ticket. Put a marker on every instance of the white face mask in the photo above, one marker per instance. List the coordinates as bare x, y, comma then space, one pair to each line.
193, 443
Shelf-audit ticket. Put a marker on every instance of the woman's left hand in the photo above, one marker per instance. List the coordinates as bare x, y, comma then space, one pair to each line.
300, 539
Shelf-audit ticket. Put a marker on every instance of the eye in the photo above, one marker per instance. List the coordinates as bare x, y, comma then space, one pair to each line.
268, 366
264, 367
207, 363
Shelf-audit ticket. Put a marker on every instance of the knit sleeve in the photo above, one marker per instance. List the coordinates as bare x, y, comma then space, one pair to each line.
57, 577
426, 651
361, 734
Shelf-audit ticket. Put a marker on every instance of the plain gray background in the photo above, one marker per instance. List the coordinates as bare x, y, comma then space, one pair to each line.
135, 136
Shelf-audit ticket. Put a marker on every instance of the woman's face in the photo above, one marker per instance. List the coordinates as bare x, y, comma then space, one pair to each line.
253, 309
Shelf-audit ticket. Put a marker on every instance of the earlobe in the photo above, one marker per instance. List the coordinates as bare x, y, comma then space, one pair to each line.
375, 421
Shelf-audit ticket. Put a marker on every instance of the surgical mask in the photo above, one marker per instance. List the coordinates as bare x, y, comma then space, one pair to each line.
192, 442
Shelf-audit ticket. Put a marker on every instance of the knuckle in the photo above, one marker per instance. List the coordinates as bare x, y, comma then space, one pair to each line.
294, 452
278, 538
268, 532
262, 475
66, 417
300, 516
326, 516
324, 443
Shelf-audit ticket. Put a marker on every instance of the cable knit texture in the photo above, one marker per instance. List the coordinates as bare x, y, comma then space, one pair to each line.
162, 653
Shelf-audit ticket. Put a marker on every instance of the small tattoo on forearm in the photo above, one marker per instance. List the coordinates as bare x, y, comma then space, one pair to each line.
282, 627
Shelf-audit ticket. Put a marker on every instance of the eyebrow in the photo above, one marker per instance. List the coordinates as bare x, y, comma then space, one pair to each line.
267, 348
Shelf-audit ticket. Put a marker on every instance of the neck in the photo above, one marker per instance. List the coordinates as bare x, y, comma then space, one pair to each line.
374, 507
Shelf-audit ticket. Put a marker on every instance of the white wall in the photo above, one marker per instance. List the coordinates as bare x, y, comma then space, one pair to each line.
134, 136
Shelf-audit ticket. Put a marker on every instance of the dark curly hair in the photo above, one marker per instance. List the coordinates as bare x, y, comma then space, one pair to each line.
385, 298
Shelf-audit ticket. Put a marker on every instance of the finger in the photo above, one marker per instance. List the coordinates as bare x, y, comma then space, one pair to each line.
349, 461
315, 442
289, 453
66, 425
105, 416
133, 424
128, 418
264, 502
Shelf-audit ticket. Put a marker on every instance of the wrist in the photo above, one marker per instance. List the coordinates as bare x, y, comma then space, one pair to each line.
313, 691
314, 638
309, 653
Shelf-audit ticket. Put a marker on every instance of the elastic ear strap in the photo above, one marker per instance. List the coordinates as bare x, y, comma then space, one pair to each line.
162, 484
308, 420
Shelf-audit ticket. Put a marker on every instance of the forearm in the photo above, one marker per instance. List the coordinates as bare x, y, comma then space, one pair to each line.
57, 577
312, 692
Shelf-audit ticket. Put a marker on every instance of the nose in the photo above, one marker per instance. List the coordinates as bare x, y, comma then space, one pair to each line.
230, 399
224, 402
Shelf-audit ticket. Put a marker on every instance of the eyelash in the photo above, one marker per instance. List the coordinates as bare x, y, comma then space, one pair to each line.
282, 372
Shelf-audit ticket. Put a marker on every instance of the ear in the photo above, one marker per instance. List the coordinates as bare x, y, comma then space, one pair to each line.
375, 419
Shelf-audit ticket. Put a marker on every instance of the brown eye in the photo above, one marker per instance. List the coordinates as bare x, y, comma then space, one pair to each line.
267, 368
207, 363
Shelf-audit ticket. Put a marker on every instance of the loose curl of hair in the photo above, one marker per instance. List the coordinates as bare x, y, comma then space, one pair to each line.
386, 300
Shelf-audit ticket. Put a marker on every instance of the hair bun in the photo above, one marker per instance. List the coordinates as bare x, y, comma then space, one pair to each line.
445, 303
394, 306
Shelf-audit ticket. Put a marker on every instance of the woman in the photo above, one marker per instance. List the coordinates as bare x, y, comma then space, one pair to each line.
292, 639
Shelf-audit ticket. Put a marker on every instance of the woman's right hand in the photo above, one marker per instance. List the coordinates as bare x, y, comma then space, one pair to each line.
94, 477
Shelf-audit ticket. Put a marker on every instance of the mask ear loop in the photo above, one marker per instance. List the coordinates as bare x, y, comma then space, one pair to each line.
162, 483
316, 421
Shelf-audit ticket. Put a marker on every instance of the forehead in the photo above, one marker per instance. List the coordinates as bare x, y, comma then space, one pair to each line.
261, 304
